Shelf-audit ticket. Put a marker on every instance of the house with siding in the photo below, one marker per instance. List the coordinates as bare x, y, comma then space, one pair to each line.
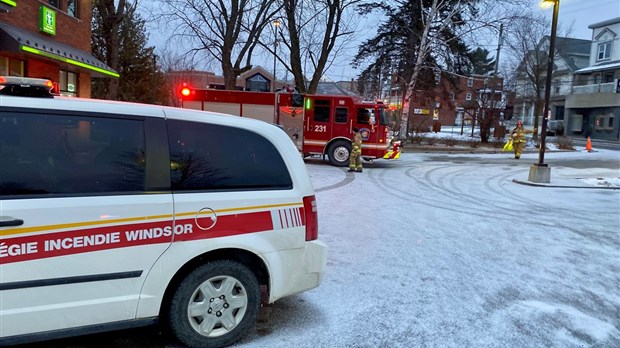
593, 107
570, 55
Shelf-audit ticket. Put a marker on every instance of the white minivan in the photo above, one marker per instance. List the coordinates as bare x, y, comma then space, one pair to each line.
117, 215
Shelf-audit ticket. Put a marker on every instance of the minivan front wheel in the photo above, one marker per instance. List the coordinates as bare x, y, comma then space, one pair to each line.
215, 305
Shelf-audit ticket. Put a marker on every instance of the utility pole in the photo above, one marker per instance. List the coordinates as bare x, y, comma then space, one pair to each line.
499, 47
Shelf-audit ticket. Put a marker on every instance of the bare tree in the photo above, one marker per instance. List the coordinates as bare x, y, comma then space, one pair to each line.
227, 31
530, 59
315, 32
178, 69
462, 16
489, 104
111, 16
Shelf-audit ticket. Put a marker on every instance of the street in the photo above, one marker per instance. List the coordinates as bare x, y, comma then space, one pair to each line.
445, 250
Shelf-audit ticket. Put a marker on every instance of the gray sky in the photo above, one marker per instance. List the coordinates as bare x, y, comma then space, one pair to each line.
581, 13
578, 13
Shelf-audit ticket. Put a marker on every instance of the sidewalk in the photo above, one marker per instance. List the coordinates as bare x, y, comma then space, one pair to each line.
571, 178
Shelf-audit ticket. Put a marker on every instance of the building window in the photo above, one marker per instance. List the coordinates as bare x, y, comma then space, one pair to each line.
604, 51
4, 66
257, 83
72, 8
55, 3
470, 82
610, 121
11, 67
452, 96
68, 83
556, 86
468, 96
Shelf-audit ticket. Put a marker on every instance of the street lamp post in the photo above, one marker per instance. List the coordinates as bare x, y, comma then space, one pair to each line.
276, 25
540, 172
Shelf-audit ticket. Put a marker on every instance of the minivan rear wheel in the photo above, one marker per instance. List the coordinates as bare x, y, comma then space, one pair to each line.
214, 305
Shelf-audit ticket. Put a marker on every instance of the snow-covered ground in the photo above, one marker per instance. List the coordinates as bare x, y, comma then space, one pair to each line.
454, 133
438, 250
446, 250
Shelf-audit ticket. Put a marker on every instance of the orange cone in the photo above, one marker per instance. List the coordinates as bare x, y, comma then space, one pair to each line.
589, 145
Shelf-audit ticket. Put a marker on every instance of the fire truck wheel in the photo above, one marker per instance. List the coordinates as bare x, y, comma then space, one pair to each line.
339, 152
215, 305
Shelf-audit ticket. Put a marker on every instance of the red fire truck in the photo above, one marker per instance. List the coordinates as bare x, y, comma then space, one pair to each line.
317, 124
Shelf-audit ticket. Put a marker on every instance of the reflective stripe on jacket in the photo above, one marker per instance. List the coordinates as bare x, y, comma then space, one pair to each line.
356, 143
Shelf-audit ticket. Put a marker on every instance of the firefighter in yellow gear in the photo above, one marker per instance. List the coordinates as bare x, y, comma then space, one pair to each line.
355, 158
518, 138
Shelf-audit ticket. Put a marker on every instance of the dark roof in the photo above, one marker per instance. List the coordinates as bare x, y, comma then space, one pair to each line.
568, 48
573, 46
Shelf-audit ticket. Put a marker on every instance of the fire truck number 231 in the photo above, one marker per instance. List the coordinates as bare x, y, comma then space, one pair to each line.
319, 125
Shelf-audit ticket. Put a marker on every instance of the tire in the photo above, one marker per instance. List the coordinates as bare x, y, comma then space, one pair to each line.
225, 287
338, 153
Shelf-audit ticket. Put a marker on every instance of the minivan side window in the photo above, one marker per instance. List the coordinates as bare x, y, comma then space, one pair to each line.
214, 157
42, 154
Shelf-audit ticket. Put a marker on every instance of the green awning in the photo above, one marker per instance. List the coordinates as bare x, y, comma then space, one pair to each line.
11, 3
20, 40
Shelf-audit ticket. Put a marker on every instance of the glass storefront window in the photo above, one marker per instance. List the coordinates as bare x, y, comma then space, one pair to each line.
68, 83
4, 66
16, 67
11, 67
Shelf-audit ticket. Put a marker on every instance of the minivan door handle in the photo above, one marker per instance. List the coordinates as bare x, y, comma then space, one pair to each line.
9, 221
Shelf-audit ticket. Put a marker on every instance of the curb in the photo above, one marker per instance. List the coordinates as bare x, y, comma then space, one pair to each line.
529, 183
472, 150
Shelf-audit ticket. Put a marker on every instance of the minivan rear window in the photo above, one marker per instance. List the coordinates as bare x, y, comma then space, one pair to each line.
214, 157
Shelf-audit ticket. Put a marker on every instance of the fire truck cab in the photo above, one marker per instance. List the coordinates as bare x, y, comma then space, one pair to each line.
319, 125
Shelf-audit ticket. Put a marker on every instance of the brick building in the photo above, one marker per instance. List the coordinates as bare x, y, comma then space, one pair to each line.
453, 105
50, 39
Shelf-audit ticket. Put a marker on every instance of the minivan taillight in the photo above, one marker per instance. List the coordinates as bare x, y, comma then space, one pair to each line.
312, 218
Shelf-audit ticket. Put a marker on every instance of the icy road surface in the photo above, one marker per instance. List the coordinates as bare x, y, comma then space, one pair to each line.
445, 250
442, 250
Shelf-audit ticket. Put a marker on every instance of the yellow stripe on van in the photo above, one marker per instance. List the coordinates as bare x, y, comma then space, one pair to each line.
23, 230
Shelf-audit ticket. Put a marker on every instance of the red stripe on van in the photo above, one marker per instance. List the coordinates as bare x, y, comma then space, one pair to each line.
44, 245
